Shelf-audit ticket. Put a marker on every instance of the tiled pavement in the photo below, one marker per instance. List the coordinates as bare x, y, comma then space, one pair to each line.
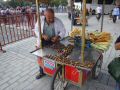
18, 67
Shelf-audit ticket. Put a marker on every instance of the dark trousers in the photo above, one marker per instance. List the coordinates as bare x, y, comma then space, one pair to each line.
114, 18
44, 43
98, 16
41, 70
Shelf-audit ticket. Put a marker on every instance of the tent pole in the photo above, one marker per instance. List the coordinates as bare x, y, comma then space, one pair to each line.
103, 8
71, 7
38, 20
83, 30
81, 5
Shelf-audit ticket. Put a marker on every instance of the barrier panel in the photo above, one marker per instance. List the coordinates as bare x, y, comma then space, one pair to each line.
1, 50
16, 27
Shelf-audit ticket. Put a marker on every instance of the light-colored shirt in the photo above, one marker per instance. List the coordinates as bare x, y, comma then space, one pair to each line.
49, 30
58, 27
116, 11
98, 9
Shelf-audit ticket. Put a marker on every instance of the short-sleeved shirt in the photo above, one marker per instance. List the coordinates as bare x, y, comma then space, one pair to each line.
49, 29
118, 40
99, 10
115, 11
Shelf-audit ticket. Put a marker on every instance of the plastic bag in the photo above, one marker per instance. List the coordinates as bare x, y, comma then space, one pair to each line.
114, 69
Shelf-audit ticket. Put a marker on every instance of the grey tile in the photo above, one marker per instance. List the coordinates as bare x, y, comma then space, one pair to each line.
14, 79
11, 87
4, 80
5, 85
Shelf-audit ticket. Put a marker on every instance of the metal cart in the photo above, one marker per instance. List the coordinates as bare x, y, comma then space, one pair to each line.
66, 66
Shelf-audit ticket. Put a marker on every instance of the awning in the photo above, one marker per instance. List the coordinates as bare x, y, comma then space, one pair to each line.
44, 1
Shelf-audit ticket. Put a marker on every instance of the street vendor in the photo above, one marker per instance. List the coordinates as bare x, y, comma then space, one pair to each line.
52, 29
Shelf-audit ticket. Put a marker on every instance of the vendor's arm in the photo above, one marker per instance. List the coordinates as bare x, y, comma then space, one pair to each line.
117, 43
60, 29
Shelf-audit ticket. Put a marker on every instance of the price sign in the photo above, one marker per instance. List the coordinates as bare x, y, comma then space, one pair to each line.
49, 64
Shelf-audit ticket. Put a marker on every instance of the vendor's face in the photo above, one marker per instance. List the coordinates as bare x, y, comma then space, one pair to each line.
49, 17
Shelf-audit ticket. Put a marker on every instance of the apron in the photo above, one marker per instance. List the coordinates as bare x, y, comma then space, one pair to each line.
48, 30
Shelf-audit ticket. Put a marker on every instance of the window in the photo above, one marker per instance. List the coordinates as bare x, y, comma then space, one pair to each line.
106, 1
78, 0
87, 1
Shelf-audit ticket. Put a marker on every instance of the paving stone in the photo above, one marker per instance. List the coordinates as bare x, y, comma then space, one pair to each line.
34, 71
100, 88
22, 86
1, 74
17, 70
30, 87
72, 87
4, 86
111, 82
25, 73
2, 70
4, 80
24, 78
110, 88
1, 79
36, 66
31, 79
92, 88
11, 87
35, 84
104, 79
14, 79
8, 74
15, 74
9, 68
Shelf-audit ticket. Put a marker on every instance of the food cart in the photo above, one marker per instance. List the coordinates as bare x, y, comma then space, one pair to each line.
67, 61
63, 62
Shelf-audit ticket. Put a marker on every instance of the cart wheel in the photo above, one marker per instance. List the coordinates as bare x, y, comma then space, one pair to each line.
97, 68
57, 81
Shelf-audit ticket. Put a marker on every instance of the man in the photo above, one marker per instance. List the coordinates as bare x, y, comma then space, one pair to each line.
52, 30
115, 13
117, 47
98, 11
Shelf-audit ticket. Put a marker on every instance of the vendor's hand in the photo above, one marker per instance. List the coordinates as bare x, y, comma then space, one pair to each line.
45, 37
55, 39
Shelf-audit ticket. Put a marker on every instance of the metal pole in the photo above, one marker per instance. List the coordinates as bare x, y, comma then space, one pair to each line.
103, 7
39, 23
71, 7
0, 47
1, 50
83, 30
81, 5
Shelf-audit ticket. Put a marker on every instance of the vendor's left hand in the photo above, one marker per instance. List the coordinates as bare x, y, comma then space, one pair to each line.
55, 39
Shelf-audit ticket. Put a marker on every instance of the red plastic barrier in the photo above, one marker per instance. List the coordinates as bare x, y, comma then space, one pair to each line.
16, 27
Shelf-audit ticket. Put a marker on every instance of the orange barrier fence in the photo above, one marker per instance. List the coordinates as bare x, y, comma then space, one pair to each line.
16, 27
